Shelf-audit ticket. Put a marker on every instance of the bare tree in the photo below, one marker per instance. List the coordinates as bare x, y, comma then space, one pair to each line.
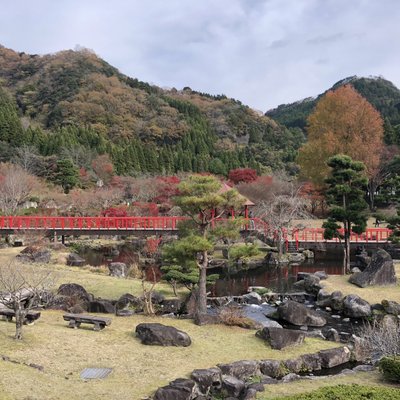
24, 287
30, 160
16, 185
280, 212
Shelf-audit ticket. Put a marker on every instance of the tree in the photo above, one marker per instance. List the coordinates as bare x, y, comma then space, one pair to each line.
202, 201
16, 185
67, 174
342, 122
345, 193
279, 213
24, 287
242, 175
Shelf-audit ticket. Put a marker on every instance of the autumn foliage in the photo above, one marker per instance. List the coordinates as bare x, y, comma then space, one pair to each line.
342, 122
242, 175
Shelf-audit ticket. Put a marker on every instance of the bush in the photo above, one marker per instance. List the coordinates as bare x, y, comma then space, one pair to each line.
233, 316
348, 392
390, 368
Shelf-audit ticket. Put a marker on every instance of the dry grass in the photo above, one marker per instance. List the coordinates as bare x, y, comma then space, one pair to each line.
373, 378
137, 369
317, 223
373, 294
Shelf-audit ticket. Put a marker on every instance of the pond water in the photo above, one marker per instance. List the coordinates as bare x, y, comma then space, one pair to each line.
277, 278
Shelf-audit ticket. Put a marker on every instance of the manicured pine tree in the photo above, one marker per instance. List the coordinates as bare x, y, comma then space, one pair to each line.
345, 196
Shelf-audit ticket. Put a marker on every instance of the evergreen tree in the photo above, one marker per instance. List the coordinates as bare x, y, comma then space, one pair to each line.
346, 188
66, 175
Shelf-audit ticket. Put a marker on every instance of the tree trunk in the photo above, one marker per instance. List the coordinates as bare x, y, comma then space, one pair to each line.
19, 322
202, 300
346, 258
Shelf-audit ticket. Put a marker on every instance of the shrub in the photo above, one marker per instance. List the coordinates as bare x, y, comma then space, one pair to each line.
390, 368
233, 316
348, 392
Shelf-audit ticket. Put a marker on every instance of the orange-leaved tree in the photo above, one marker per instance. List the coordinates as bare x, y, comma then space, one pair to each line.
342, 122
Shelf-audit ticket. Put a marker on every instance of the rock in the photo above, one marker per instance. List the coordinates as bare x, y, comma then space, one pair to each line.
35, 254
308, 254
293, 364
241, 369
101, 306
310, 362
75, 260
336, 300
118, 269
207, 379
323, 298
332, 357
380, 271
267, 380
391, 307
311, 284
74, 290
298, 314
359, 349
232, 386
355, 307
362, 260
252, 298
296, 257
250, 394
321, 275
179, 389
355, 270
332, 335
161, 335
168, 306
301, 275
124, 313
157, 297
129, 302
258, 387
300, 285
364, 368
290, 378
390, 322
279, 338
271, 368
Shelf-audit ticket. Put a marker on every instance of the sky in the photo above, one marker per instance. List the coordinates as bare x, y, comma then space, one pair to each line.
261, 52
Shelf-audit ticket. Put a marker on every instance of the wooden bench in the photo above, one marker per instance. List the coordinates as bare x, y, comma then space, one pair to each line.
75, 321
30, 318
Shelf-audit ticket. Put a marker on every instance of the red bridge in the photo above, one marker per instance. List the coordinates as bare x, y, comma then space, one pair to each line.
158, 225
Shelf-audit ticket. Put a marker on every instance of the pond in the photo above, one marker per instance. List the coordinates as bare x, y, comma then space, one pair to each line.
277, 278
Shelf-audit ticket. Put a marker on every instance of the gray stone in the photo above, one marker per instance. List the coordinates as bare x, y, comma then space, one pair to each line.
232, 386
321, 275
293, 364
179, 389
35, 254
75, 291
207, 379
271, 368
308, 254
312, 284
332, 335
391, 307
332, 357
118, 269
161, 335
359, 348
101, 306
241, 369
290, 378
252, 298
355, 307
259, 387
75, 260
380, 271
336, 302
168, 306
267, 380
129, 302
310, 362
279, 338
296, 257
364, 368
323, 298
250, 394
298, 314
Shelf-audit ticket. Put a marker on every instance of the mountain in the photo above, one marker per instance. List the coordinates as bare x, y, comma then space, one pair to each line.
381, 93
74, 100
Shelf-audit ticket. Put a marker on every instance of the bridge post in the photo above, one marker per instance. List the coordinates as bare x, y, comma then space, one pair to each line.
63, 239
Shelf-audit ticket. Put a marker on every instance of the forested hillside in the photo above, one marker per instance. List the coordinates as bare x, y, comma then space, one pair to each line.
74, 106
381, 93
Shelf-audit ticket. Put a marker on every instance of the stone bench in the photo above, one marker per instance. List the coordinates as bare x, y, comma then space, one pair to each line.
75, 321
29, 319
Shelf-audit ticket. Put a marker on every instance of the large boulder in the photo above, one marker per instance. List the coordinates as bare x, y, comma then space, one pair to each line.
129, 302
333, 357
232, 387
179, 389
272, 368
312, 284
252, 298
168, 306
118, 269
207, 379
36, 254
74, 290
354, 306
240, 369
280, 338
161, 335
75, 260
391, 307
298, 314
101, 306
336, 302
380, 271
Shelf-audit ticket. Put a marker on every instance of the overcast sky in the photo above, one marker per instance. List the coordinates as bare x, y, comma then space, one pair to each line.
261, 52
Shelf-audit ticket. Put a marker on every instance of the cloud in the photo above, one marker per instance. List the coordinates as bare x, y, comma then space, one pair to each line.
262, 52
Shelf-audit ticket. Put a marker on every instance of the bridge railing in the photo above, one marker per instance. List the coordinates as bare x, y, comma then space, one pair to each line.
88, 223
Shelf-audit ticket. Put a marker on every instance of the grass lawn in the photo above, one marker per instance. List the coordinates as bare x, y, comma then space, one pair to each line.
373, 294
373, 378
137, 369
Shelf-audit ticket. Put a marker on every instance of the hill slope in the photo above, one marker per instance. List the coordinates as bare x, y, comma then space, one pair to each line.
74, 99
381, 93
